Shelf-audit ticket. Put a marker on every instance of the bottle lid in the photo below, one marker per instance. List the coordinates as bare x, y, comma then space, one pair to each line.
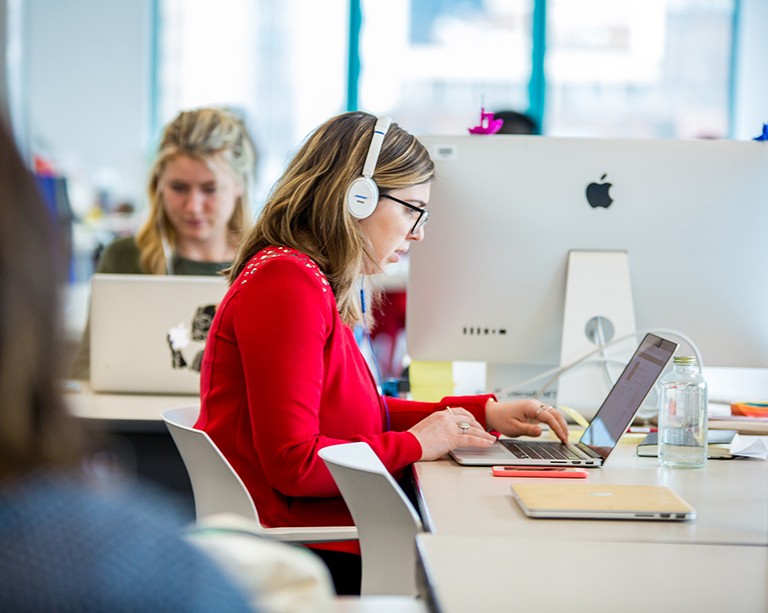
684, 359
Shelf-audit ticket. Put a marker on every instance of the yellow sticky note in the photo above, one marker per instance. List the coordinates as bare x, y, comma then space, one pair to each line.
431, 381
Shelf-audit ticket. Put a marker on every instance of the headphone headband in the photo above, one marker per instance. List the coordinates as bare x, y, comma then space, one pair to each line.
363, 194
377, 140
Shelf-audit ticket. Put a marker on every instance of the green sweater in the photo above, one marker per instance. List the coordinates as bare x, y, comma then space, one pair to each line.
122, 257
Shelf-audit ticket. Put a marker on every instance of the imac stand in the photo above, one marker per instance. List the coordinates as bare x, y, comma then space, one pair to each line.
598, 308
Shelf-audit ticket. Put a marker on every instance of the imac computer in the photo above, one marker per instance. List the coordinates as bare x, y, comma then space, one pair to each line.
541, 250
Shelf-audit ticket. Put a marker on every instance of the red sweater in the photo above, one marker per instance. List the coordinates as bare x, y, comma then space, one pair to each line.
282, 377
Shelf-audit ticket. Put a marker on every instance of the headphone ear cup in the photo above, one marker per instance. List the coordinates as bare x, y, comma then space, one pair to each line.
362, 197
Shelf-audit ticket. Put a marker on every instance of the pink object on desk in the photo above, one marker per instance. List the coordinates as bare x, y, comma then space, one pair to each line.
488, 124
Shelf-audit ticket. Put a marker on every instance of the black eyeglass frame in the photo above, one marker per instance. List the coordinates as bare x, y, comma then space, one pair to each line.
420, 220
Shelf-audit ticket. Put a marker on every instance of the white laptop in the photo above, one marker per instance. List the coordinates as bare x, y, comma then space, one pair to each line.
148, 331
605, 430
601, 501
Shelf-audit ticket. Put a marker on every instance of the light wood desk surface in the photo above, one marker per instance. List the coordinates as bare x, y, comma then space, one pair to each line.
470, 573
730, 497
126, 411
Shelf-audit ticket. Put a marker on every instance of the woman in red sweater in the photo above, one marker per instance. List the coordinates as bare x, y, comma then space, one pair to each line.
283, 376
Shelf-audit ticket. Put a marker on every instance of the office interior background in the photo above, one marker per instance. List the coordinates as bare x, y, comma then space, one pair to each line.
89, 85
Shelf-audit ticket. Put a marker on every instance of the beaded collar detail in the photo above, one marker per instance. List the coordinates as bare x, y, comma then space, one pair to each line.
269, 253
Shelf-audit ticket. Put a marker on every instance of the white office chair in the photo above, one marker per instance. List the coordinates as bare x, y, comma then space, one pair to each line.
217, 488
386, 520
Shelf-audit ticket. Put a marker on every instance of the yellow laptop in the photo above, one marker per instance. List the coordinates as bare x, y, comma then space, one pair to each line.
599, 501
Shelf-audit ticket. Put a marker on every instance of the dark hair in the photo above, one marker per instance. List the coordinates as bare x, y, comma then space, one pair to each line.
36, 430
516, 123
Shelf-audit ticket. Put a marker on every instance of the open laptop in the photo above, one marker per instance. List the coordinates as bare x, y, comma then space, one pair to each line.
148, 331
600, 501
602, 435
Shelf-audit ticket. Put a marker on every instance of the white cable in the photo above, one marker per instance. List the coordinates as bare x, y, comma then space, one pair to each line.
599, 339
564, 369
555, 373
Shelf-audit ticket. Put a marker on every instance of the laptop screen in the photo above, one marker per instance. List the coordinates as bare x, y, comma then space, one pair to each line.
626, 396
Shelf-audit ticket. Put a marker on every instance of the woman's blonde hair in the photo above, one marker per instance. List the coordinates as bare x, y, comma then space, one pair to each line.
307, 208
209, 135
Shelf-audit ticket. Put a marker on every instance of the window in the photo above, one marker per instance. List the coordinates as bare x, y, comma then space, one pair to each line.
659, 68
655, 69
266, 59
432, 64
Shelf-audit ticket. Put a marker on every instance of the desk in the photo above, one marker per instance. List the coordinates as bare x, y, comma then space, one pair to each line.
471, 573
136, 412
484, 551
730, 497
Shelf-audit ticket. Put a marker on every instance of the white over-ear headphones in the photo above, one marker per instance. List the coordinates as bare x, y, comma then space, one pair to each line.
363, 193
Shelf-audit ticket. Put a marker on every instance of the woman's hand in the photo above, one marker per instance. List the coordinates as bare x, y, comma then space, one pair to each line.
522, 418
445, 430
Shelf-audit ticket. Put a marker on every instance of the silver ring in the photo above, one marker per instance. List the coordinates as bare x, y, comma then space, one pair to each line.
464, 427
542, 407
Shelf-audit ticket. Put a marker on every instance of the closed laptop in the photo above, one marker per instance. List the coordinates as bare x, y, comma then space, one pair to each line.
600, 501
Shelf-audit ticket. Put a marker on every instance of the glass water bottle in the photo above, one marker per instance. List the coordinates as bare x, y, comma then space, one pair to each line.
683, 416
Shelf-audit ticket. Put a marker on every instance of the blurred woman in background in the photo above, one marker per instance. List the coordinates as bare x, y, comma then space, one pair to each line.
199, 205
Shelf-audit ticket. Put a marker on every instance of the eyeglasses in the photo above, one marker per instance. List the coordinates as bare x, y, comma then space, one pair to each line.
420, 220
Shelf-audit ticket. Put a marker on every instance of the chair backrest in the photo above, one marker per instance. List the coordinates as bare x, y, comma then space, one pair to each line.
386, 521
216, 487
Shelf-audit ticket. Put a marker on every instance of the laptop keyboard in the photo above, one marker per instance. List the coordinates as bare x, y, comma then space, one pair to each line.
540, 451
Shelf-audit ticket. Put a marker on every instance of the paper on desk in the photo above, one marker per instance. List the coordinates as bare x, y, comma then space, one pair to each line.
718, 409
744, 445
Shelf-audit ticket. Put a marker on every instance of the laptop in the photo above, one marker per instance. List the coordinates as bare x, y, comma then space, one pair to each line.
148, 331
602, 435
599, 501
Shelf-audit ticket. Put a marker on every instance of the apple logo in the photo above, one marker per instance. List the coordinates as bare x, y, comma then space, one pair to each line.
597, 194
